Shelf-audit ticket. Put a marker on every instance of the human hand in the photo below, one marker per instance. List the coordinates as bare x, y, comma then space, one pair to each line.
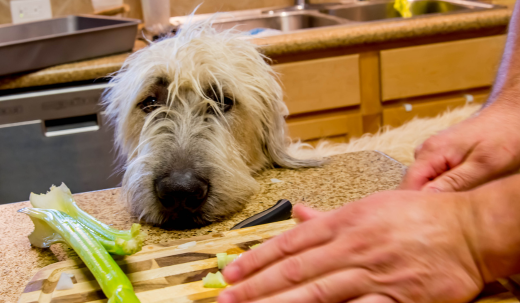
398, 246
471, 153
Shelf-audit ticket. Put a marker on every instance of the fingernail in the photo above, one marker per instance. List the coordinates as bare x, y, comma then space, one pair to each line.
232, 273
431, 189
226, 297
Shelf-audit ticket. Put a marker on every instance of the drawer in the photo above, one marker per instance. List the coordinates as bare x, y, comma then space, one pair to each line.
397, 115
320, 84
32, 161
310, 128
441, 67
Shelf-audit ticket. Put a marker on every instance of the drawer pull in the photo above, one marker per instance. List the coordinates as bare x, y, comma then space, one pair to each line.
408, 107
71, 125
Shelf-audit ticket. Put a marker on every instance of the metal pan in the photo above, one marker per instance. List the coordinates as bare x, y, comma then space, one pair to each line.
34, 45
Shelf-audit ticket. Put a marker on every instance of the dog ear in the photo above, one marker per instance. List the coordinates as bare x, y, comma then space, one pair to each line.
279, 149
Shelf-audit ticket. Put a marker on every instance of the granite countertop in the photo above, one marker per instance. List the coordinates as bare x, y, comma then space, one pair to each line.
349, 35
346, 178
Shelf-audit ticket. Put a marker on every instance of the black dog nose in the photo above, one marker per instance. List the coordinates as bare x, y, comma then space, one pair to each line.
182, 189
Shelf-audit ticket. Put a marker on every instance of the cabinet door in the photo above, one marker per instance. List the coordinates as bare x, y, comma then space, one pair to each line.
312, 128
396, 115
320, 84
440, 67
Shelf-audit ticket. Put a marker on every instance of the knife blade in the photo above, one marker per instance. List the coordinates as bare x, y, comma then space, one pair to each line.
282, 210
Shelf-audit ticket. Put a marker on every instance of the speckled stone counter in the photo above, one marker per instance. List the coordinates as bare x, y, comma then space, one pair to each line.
350, 35
346, 178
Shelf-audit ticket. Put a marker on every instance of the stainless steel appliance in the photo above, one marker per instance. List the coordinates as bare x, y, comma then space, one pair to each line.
38, 44
55, 135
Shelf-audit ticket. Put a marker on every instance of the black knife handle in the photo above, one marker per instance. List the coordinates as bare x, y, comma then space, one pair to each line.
282, 210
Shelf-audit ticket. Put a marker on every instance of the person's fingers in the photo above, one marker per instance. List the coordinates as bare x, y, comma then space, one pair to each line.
373, 298
303, 236
422, 171
303, 213
417, 151
464, 177
337, 287
298, 269
433, 159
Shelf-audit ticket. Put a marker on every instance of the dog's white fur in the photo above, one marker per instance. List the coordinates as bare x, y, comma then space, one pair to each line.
227, 148
399, 143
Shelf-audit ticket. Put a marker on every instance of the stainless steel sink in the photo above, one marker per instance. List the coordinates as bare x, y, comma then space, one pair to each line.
284, 21
308, 16
370, 11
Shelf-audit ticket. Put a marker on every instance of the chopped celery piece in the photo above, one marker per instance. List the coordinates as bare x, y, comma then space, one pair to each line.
221, 260
214, 280
230, 258
119, 242
52, 226
254, 246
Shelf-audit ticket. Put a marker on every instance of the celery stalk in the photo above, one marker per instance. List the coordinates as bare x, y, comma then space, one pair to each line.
120, 242
52, 226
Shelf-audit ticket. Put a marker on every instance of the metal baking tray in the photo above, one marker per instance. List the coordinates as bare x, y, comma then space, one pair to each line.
34, 45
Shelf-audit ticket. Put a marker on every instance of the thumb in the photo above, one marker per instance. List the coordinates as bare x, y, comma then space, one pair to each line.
303, 213
463, 177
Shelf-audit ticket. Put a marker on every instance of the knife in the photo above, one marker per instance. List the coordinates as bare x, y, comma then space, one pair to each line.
282, 210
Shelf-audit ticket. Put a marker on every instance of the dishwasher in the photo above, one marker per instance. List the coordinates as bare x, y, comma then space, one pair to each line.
54, 135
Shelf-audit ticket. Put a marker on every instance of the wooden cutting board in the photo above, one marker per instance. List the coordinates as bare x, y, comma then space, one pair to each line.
173, 273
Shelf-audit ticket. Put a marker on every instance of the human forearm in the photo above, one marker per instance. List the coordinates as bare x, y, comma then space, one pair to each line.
507, 87
496, 232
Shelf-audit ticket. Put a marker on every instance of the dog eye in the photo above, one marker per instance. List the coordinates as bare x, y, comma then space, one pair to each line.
224, 105
149, 104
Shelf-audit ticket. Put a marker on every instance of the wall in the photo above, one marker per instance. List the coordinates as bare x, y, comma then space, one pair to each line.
59, 8
5, 12
178, 7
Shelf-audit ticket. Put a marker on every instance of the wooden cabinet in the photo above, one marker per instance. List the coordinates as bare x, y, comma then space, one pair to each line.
320, 84
440, 67
398, 114
326, 126
344, 96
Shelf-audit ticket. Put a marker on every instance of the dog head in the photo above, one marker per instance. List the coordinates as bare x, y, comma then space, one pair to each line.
195, 116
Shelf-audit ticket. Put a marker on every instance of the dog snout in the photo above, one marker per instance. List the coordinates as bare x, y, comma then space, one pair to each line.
182, 189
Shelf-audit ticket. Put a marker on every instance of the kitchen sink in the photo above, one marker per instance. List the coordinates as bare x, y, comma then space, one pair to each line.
284, 21
309, 16
368, 11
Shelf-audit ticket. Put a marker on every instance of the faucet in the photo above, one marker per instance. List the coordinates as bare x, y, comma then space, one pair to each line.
302, 4
298, 6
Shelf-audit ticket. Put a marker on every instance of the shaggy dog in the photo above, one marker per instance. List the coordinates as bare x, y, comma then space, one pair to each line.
196, 116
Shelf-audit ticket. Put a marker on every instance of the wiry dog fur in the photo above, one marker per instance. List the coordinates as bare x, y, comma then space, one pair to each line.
399, 143
190, 129
222, 116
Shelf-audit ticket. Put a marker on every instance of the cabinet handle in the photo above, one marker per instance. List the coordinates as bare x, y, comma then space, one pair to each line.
70, 125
